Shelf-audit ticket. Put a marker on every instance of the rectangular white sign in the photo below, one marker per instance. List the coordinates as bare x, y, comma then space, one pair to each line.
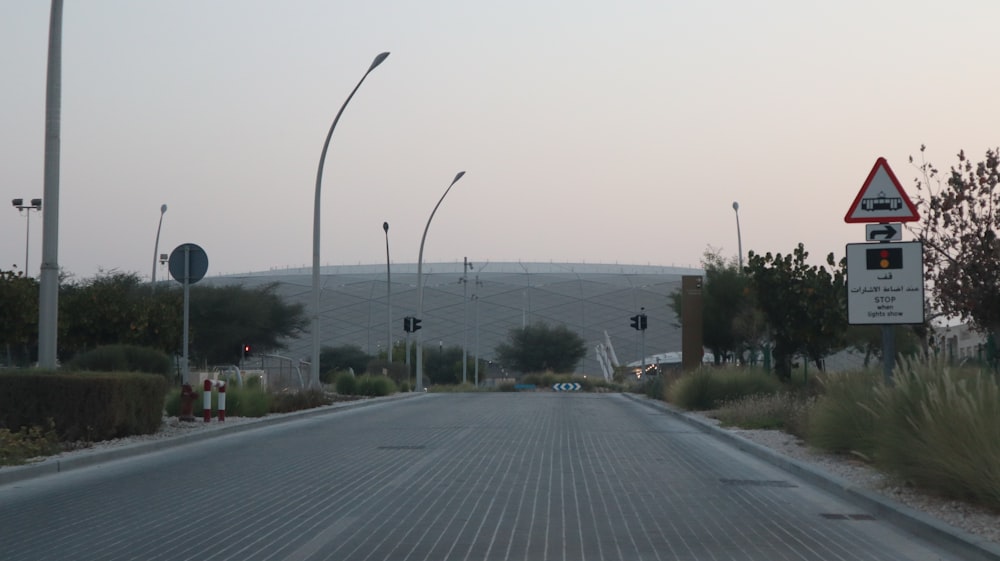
885, 283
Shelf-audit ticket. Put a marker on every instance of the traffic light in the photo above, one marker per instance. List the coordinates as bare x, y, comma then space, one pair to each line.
884, 258
634, 322
642, 322
410, 324
415, 324
246, 350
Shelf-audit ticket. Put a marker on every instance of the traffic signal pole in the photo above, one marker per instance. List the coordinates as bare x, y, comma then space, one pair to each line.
642, 337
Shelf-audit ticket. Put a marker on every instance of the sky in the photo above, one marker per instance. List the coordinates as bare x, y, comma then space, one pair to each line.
590, 131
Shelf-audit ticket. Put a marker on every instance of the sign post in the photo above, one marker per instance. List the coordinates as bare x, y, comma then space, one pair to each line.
885, 279
188, 265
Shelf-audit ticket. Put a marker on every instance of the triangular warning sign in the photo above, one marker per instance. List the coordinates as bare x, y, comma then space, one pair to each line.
881, 199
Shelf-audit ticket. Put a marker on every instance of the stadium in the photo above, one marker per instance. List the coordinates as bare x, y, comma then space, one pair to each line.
475, 305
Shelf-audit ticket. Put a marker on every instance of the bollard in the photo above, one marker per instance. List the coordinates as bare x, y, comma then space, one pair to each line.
187, 403
209, 384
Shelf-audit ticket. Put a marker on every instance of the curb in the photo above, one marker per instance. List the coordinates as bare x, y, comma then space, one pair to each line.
55, 464
955, 540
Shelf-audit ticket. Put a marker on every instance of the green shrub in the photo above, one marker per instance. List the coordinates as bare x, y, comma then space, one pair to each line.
535, 379
707, 388
652, 387
287, 402
240, 402
782, 411
346, 384
246, 401
404, 387
375, 386
124, 358
91, 406
18, 447
506, 387
842, 420
937, 429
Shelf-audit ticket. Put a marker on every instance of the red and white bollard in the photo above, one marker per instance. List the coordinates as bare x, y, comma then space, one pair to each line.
207, 399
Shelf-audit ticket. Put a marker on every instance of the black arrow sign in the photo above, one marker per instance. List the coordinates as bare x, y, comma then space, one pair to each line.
886, 233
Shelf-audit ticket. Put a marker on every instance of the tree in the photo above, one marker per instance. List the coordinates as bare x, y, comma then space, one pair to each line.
340, 358
540, 348
443, 365
868, 340
727, 315
958, 229
18, 316
117, 308
224, 318
805, 306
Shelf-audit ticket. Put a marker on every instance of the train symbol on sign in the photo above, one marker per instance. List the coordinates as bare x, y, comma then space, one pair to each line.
881, 202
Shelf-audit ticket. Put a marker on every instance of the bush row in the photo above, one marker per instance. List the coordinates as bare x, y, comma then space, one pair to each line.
82, 406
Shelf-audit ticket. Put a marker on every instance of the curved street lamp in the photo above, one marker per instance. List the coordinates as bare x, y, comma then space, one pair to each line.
314, 366
156, 246
420, 286
739, 237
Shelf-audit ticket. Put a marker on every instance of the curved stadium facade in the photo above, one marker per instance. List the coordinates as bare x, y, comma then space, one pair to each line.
589, 299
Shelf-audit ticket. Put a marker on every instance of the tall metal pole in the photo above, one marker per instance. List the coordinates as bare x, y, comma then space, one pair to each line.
48, 289
475, 297
156, 246
420, 285
388, 295
465, 319
314, 360
739, 237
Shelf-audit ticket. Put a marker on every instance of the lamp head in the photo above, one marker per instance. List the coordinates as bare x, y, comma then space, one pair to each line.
36, 203
163, 209
378, 60
736, 206
385, 226
17, 202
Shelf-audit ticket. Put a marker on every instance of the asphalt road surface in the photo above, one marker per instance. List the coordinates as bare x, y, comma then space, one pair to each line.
491, 476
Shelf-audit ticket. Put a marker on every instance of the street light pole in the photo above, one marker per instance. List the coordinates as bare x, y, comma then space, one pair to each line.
388, 296
156, 246
420, 285
36, 205
465, 318
475, 298
48, 277
739, 237
314, 360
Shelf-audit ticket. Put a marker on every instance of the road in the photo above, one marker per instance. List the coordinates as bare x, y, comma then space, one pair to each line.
491, 476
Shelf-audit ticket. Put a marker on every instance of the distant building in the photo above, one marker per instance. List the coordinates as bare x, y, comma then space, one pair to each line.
589, 299
961, 343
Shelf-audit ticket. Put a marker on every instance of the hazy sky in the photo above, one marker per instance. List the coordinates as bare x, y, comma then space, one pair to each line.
590, 131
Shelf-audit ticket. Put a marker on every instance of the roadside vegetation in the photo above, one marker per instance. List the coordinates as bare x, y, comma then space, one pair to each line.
935, 428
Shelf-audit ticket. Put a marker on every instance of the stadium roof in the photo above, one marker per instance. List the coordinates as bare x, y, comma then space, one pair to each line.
587, 298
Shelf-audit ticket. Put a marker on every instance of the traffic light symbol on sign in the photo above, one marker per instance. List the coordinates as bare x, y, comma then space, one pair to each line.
884, 258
